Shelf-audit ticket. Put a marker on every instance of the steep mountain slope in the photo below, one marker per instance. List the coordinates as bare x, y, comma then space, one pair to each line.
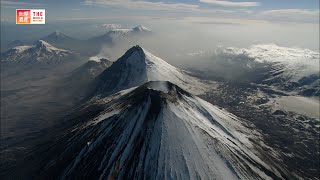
91, 68
78, 80
138, 66
159, 131
40, 52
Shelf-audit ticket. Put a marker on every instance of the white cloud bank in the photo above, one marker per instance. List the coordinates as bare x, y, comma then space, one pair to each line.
236, 9
295, 15
230, 3
144, 5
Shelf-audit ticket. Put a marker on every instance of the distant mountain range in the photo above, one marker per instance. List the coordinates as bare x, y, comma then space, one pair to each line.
91, 46
118, 35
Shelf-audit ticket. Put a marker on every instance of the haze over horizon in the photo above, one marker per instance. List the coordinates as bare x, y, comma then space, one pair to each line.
211, 22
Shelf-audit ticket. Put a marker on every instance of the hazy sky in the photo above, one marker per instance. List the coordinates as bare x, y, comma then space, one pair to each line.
204, 22
281, 10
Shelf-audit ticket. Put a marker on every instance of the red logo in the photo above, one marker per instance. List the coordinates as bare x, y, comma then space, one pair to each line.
23, 16
30, 16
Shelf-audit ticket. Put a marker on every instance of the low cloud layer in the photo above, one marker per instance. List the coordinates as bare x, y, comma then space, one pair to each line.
295, 15
235, 9
144, 5
110, 26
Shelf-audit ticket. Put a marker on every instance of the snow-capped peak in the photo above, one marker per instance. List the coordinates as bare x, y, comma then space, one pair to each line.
138, 66
138, 29
38, 52
47, 46
139, 57
42, 43
135, 56
141, 29
119, 34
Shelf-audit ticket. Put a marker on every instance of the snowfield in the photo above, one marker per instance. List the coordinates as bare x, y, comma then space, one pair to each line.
290, 69
296, 62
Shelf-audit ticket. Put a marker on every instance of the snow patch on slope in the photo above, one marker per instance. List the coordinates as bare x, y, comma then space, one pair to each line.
20, 49
160, 70
162, 87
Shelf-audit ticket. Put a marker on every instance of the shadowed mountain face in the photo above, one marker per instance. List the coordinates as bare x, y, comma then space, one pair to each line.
77, 82
91, 68
158, 131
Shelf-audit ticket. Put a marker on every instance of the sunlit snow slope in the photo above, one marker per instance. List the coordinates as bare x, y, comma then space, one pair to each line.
159, 131
138, 66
